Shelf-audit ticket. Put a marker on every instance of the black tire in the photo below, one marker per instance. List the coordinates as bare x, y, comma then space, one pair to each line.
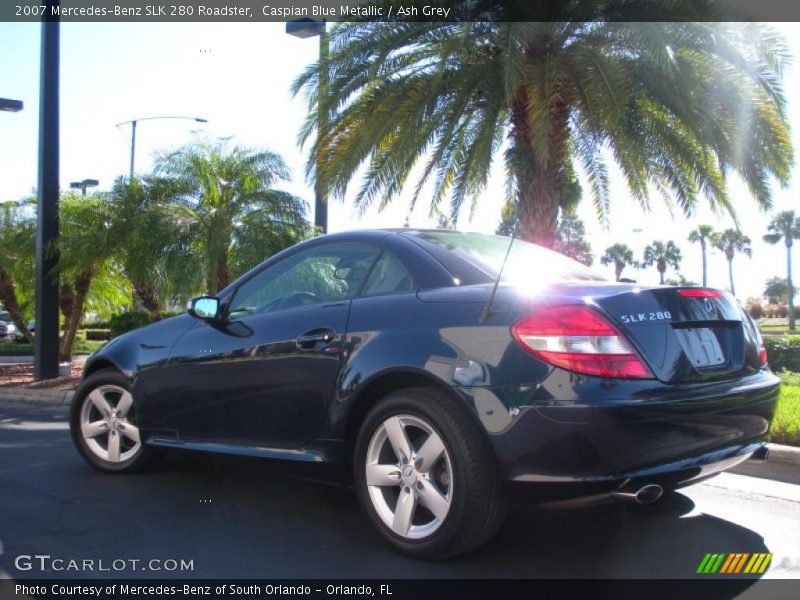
476, 507
140, 459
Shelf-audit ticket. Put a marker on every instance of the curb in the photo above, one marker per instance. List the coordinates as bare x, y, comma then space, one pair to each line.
36, 396
784, 454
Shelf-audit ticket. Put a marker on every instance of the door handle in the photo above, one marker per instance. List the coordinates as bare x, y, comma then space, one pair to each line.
315, 339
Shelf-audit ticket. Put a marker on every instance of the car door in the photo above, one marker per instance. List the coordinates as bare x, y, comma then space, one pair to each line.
264, 374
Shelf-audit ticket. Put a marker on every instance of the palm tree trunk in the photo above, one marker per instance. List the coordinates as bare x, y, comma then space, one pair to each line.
9, 297
148, 296
705, 267
81, 288
790, 285
661, 276
730, 275
539, 182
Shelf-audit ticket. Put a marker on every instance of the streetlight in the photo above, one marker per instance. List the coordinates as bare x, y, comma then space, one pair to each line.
45, 349
306, 28
8, 105
133, 123
82, 185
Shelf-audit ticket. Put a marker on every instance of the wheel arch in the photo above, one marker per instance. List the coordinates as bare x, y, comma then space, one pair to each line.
387, 382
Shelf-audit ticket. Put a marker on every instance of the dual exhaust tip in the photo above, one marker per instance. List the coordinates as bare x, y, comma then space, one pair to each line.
645, 494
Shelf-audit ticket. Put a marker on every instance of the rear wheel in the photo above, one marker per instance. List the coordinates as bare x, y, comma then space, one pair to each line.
103, 424
425, 477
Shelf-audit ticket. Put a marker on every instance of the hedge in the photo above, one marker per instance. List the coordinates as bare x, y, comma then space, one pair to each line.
783, 352
128, 321
98, 335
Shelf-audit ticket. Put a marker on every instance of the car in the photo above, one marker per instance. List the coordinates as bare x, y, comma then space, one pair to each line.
439, 372
5, 331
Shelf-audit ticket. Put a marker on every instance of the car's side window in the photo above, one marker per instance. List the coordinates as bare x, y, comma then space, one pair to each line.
322, 274
388, 276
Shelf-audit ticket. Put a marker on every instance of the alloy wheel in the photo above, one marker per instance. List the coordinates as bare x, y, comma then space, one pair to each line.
106, 424
409, 476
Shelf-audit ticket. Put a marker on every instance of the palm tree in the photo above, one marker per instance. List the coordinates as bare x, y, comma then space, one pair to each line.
231, 207
662, 256
702, 234
571, 240
17, 259
87, 244
621, 256
676, 104
730, 242
156, 249
786, 226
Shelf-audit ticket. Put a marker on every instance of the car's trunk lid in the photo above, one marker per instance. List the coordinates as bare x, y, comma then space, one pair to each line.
684, 334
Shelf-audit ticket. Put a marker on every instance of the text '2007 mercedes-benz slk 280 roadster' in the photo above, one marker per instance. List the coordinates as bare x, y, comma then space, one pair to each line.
436, 381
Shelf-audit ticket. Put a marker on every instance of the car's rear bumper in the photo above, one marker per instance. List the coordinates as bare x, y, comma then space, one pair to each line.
582, 445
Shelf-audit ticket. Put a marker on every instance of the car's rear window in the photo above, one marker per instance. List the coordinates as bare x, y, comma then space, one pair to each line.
475, 258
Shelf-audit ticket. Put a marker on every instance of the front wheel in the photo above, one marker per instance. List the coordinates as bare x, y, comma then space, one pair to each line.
425, 477
103, 424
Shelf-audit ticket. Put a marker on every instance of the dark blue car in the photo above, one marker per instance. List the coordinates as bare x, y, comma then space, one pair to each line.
386, 355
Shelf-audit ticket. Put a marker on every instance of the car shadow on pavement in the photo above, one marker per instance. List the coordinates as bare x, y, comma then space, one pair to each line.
248, 518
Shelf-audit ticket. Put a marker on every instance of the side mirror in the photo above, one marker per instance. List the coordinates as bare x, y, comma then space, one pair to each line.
204, 307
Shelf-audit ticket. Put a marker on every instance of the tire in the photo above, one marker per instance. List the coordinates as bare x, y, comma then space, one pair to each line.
102, 410
445, 500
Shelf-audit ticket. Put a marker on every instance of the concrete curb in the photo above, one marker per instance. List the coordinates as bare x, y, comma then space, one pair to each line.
784, 454
36, 396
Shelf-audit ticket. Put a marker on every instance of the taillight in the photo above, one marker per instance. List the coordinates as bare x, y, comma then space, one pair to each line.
699, 293
762, 355
578, 338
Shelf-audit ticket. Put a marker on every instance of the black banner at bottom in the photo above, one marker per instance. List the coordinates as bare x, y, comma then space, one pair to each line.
397, 589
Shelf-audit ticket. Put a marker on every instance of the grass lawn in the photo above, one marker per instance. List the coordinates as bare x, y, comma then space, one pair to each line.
784, 328
786, 425
15, 349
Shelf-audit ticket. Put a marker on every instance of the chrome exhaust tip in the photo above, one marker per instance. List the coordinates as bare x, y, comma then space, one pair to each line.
647, 494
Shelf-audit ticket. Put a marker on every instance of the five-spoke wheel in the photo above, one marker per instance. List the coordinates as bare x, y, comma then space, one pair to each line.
103, 423
409, 475
425, 476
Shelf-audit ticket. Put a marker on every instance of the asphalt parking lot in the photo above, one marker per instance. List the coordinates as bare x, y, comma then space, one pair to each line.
247, 519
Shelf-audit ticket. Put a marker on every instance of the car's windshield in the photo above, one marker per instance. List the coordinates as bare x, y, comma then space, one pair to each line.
477, 258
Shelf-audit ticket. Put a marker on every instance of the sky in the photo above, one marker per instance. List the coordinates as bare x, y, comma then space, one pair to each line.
237, 76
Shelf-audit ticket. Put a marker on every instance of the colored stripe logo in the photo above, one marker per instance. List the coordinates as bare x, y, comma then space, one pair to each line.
733, 563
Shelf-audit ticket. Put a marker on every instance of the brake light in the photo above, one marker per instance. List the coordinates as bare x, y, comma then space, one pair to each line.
762, 355
699, 293
579, 339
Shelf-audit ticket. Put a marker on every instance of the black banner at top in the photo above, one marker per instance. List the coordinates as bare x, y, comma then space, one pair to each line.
397, 10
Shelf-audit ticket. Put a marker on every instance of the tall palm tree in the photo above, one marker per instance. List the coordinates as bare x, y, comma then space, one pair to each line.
675, 104
231, 206
662, 255
621, 256
730, 242
571, 240
786, 226
702, 235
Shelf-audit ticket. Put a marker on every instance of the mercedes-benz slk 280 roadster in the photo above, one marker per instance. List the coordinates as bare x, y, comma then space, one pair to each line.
392, 356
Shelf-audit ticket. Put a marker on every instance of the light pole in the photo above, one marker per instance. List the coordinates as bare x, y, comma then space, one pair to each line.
82, 185
306, 28
45, 348
9, 105
133, 123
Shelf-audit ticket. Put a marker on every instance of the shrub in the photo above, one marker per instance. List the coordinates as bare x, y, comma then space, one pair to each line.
756, 310
776, 311
128, 321
98, 335
783, 352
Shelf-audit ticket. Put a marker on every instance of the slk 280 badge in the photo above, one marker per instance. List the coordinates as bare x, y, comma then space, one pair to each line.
661, 315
